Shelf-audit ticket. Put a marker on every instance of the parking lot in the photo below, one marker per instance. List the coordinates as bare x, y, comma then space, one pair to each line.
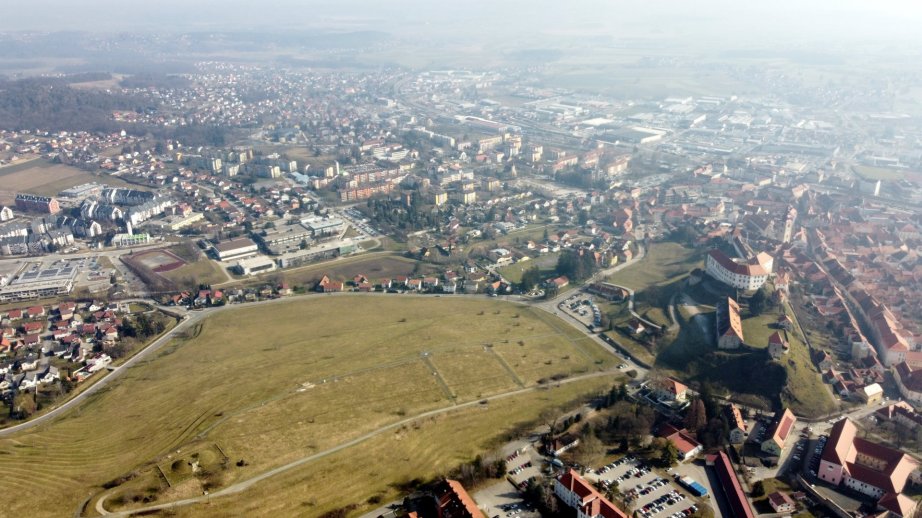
815, 452
648, 493
359, 222
582, 307
505, 499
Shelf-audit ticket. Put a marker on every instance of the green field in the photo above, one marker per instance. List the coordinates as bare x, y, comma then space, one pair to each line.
513, 272
273, 383
664, 263
202, 271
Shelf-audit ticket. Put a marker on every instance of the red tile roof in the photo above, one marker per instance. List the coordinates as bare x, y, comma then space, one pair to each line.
757, 266
456, 496
739, 505
843, 449
592, 503
782, 426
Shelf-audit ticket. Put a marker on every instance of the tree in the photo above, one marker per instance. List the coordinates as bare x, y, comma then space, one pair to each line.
590, 450
530, 278
669, 454
760, 300
696, 416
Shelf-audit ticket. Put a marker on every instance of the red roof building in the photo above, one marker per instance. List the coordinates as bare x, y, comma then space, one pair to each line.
781, 502
686, 445
576, 492
455, 502
782, 426
869, 468
739, 505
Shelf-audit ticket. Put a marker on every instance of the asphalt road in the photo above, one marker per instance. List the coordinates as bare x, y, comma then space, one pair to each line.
188, 321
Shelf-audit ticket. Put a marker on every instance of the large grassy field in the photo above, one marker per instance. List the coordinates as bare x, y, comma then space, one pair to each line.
664, 263
202, 271
379, 467
273, 383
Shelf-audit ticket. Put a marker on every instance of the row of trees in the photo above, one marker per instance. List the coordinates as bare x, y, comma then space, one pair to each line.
142, 326
575, 265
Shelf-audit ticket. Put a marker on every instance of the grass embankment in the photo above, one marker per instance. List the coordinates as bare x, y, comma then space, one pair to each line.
664, 263
750, 375
654, 279
379, 468
201, 271
273, 383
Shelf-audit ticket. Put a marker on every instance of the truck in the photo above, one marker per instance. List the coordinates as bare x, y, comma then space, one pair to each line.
693, 486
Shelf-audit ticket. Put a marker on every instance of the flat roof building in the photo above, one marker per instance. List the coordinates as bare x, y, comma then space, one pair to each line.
239, 248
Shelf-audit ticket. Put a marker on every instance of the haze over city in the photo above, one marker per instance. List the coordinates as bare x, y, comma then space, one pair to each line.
512, 259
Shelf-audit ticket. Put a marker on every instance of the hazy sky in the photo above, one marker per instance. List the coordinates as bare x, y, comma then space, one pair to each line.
748, 21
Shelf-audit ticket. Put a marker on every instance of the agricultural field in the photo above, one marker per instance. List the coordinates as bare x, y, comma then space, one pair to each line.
252, 388
47, 179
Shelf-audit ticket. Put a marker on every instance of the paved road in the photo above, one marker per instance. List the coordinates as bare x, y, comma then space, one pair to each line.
190, 318
111, 376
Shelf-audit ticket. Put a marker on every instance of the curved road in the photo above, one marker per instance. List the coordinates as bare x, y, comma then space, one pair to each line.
99, 385
190, 318
246, 484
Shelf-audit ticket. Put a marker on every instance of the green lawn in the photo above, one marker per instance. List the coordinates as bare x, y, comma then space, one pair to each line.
756, 330
663, 263
805, 391
513, 272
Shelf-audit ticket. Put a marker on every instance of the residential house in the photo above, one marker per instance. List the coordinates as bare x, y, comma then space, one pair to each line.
33, 327
326, 285
778, 433
670, 390
781, 503
737, 425
777, 346
684, 443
